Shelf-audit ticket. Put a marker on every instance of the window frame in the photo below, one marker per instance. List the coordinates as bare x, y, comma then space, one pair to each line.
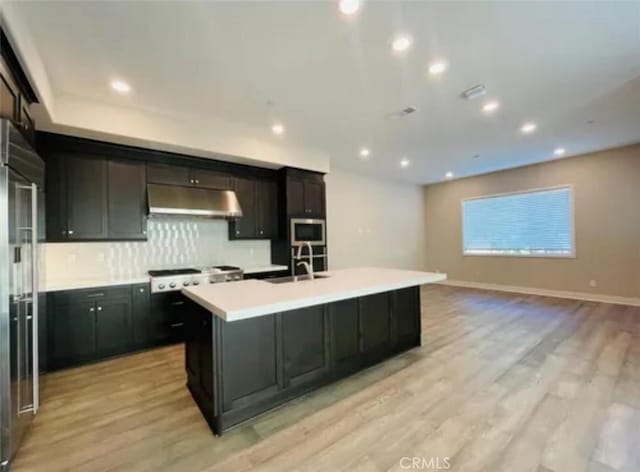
571, 189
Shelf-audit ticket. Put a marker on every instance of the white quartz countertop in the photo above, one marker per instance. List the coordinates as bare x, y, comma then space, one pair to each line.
251, 298
53, 285
264, 268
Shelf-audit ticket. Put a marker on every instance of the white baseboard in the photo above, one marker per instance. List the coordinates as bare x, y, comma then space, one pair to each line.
590, 297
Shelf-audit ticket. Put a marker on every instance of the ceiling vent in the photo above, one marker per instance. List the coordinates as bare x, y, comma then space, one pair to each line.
474, 92
402, 113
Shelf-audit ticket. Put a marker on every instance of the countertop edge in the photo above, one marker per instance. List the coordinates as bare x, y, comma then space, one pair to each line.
59, 286
264, 310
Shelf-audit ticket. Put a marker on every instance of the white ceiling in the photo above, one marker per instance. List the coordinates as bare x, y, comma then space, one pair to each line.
332, 80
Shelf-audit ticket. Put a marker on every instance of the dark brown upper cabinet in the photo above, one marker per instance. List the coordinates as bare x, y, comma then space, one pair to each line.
86, 198
127, 209
90, 198
167, 174
185, 176
16, 93
259, 202
305, 194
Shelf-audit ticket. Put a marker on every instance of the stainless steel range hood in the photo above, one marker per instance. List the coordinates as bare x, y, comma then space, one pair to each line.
192, 201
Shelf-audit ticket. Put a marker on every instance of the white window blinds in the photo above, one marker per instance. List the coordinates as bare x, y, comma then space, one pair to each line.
534, 223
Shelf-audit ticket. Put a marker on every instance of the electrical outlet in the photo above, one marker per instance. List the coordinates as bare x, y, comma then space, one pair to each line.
593, 283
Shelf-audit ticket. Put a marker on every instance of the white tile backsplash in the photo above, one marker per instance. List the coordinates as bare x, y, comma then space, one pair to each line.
173, 242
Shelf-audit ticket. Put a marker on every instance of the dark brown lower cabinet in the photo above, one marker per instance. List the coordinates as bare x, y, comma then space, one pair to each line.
237, 370
89, 325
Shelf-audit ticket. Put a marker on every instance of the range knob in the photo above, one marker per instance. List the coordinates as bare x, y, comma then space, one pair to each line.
212, 281
195, 282
185, 283
172, 285
161, 286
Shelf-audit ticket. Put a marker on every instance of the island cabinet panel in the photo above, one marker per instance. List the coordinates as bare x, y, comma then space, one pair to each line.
249, 363
405, 317
375, 324
345, 332
305, 345
239, 369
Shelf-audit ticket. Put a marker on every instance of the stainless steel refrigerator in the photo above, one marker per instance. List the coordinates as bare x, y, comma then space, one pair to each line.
21, 216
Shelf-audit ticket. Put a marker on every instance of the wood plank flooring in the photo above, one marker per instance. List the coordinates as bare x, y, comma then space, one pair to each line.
502, 383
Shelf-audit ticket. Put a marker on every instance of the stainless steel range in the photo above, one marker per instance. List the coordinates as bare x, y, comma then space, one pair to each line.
169, 280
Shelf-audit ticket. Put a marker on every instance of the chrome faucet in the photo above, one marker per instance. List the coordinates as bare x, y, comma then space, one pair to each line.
307, 265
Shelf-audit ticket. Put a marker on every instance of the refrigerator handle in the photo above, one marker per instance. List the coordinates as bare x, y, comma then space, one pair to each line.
35, 274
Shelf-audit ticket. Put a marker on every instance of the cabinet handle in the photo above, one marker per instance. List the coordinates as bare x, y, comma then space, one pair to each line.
177, 325
261, 232
99, 308
178, 303
197, 181
64, 232
70, 231
95, 295
237, 232
91, 310
141, 290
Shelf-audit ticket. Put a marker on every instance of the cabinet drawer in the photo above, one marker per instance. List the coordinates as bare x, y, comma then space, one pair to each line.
92, 294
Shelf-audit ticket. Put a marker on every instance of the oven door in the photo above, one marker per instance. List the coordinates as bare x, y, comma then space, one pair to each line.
304, 230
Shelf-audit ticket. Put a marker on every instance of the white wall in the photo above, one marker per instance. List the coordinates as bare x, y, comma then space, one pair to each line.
173, 242
373, 222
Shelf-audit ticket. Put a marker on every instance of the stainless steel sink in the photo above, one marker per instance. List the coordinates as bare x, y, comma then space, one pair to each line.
294, 278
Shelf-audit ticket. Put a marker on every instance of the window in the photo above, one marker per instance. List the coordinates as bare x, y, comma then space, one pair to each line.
534, 223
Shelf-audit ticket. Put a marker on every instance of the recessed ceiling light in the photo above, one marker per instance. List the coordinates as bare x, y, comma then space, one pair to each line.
528, 128
364, 152
436, 68
349, 7
120, 86
401, 43
491, 106
277, 128
559, 151
405, 162
449, 175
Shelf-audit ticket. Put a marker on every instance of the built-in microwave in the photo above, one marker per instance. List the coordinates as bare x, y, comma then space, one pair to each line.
306, 230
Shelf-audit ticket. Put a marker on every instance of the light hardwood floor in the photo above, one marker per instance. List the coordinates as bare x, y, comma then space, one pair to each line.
502, 383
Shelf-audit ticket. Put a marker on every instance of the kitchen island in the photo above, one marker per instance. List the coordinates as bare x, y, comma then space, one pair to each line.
255, 344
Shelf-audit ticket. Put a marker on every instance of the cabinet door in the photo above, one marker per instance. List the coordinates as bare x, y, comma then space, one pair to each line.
375, 327
305, 343
249, 361
86, 198
127, 200
56, 198
143, 327
8, 100
113, 327
406, 317
267, 203
167, 174
345, 331
167, 317
72, 334
245, 227
295, 197
314, 198
210, 179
